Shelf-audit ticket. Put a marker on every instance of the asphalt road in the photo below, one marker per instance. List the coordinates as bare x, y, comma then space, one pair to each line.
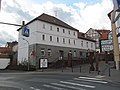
53, 81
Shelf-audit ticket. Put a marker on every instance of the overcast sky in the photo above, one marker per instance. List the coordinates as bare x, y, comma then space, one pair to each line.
81, 14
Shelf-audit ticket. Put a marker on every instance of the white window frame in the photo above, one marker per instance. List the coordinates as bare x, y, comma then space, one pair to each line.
43, 37
51, 39
63, 40
75, 53
58, 40
42, 52
49, 52
43, 26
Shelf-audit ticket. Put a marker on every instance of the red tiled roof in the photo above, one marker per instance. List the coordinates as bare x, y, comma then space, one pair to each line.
53, 20
103, 33
5, 49
50, 19
82, 36
4, 56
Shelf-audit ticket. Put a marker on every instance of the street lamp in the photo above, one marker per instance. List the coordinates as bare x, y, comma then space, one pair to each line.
28, 53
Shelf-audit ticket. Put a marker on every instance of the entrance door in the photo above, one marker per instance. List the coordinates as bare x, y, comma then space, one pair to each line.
61, 53
69, 59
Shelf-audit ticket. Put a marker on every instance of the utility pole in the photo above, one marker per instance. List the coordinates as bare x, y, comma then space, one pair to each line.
113, 18
115, 41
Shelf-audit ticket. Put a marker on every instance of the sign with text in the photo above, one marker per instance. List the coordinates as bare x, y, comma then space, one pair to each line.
43, 63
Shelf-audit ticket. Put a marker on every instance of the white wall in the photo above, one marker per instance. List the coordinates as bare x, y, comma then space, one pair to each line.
47, 32
23, 44
15, 48
36, 32
4, 62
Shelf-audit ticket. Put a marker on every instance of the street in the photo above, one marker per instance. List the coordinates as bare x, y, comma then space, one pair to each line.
53, 81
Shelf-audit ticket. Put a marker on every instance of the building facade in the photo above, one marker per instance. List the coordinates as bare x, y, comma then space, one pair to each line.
107, 43
103, 39
95, 36
53, 39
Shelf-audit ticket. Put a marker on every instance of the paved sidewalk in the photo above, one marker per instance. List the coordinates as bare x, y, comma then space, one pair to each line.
107, 72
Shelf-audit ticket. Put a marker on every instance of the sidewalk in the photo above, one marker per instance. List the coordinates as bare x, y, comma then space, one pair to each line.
106, 71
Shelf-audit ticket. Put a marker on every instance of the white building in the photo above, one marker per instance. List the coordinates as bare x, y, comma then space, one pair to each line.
51, 38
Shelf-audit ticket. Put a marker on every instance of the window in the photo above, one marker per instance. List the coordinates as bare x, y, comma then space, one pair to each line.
80, 53
49, 52
50, 38
57, 29
74, 33
43, 26
75, 54
43, 37
70, 51
91, 45
63, 40
42, 52
68, 32
63, 30
82, 43
57, 39
74, 42
86, 44
69, 41
50, 27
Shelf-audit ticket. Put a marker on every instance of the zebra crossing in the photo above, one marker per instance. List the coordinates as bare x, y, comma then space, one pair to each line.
79, 83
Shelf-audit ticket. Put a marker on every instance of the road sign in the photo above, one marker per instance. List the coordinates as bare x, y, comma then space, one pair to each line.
25, 31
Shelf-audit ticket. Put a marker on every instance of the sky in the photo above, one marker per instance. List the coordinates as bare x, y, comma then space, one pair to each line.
80, 14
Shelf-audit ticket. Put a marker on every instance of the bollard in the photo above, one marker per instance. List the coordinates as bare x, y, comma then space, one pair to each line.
72, 68
42, 70
109, 72
80, 68
62, 66
89, 70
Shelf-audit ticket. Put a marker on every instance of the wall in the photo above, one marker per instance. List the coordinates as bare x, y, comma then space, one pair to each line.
4, 62
36, 32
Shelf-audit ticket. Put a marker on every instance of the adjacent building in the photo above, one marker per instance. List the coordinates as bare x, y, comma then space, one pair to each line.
8, 54
107, 42
52, 39
103, 39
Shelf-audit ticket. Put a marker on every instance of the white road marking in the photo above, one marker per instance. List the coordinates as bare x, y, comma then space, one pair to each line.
37, 89
32, 88
53, 87
99, 76
77, 84
67, 86
91, 80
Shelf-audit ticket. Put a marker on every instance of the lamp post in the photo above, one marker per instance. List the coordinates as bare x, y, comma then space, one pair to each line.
28, 53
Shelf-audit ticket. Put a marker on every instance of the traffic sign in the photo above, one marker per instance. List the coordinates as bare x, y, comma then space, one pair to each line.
25, 31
